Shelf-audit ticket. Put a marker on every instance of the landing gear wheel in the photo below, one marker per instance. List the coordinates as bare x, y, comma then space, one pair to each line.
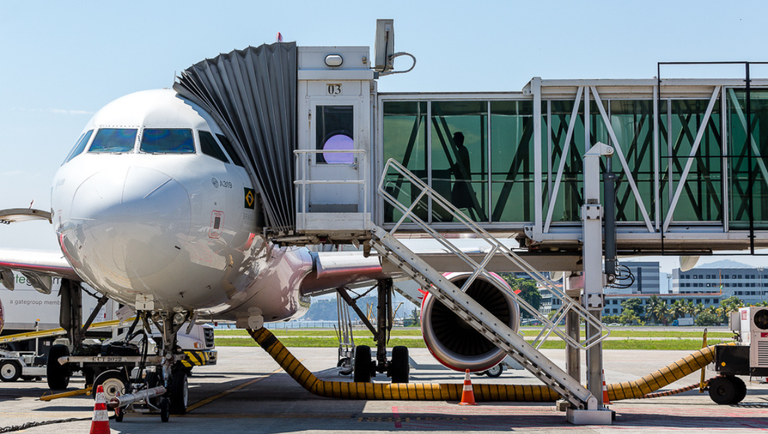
57, 374
179, 392
722, 390
741, 389
495, 372
119, 413
113, 382
165, 409
362, 364
10, 370
400, 365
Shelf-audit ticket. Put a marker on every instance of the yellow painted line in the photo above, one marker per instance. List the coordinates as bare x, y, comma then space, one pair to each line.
210, 399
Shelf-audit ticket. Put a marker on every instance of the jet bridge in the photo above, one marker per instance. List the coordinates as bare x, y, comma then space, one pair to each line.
686, 157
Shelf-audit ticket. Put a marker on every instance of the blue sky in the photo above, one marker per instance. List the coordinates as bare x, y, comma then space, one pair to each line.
65, 60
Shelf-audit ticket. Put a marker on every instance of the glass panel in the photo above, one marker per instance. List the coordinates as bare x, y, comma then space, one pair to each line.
230, 150
208, 146
405, 140
701, 198
79, 146
632, 122
335, 131
748, 158
167, 141
114, 140
459, 157
512, 169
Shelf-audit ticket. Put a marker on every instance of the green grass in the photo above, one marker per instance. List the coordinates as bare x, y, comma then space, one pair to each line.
624, 344
360, 334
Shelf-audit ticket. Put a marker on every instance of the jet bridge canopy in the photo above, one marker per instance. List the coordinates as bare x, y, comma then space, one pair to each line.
251, 94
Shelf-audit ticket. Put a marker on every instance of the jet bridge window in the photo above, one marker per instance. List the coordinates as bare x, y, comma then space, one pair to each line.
79, 146
335, 131
209, 147
114, 140
167, 141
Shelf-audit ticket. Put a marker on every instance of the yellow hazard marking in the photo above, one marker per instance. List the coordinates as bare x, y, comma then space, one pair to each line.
249, 198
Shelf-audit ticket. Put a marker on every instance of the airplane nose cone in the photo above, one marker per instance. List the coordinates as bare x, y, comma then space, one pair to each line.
128, 225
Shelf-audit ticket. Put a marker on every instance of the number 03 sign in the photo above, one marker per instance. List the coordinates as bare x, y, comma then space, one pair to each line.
333, 89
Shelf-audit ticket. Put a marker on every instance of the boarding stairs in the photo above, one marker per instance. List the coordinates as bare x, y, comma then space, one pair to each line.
431, 280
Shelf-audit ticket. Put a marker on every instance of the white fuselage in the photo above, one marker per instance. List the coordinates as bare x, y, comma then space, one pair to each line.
180, 227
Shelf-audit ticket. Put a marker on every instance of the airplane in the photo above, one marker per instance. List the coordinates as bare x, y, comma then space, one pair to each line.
152, 207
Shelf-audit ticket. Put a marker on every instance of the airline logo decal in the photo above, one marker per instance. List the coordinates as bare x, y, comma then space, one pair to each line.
250, 198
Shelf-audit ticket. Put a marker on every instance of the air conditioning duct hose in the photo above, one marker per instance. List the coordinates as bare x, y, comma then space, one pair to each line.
452, 392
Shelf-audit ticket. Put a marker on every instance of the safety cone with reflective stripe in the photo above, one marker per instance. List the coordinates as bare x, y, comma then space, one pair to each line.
467, 394
100, 421
605, 391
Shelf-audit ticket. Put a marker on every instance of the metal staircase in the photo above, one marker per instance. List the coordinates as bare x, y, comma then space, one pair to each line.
472, 312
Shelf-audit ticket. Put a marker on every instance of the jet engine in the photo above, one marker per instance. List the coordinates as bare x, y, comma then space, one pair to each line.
452, 341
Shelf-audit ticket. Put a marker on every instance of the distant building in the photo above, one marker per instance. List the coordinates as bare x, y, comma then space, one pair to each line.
647, 279
706, 285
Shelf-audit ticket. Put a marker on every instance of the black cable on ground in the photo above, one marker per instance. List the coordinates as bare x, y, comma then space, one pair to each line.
676, 391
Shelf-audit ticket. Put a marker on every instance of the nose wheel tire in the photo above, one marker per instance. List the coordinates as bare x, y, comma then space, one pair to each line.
179, 392
165, 409
362, 364
10, 370
400, 366
57, 374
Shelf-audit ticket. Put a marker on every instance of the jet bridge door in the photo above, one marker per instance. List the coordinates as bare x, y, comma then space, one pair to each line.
334, 151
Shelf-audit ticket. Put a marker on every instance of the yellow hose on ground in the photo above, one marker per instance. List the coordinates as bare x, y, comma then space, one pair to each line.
452, 392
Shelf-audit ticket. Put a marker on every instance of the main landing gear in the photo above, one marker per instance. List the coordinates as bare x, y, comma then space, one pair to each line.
364, 367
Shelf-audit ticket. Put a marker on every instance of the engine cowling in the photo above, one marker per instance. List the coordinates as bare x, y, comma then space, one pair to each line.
452, 341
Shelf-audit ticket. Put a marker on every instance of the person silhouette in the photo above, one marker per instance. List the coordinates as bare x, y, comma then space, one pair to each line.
462, 194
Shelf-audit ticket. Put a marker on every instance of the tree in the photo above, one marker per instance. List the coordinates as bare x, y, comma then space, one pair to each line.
657, 310
678, 309
529, 293
706, 318
633, 304
731, 304
629, 317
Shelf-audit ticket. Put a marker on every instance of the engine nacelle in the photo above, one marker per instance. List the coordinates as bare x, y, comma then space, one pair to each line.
452, 341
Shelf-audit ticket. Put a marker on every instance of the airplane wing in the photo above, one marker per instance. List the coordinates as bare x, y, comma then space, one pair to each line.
37, 266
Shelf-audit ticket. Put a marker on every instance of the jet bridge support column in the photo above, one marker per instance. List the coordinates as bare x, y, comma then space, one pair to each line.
592, 254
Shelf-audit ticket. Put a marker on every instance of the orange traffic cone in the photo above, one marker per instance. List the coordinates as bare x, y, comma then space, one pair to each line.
605, 391
100, 421
467, 394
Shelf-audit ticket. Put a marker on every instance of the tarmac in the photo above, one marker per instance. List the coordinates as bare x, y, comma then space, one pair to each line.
248, 392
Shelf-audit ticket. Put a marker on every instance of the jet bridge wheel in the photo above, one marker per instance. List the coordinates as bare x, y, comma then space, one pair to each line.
362, 364
400, 366
56, 373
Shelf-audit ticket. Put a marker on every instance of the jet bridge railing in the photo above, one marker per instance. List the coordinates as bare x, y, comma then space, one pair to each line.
496, 247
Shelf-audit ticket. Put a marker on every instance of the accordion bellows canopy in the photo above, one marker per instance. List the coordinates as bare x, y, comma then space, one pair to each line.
251, 94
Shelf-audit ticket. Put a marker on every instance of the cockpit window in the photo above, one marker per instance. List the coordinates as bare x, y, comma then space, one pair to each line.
114, 140
209, 147
167, 141
79, 146
230, 150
